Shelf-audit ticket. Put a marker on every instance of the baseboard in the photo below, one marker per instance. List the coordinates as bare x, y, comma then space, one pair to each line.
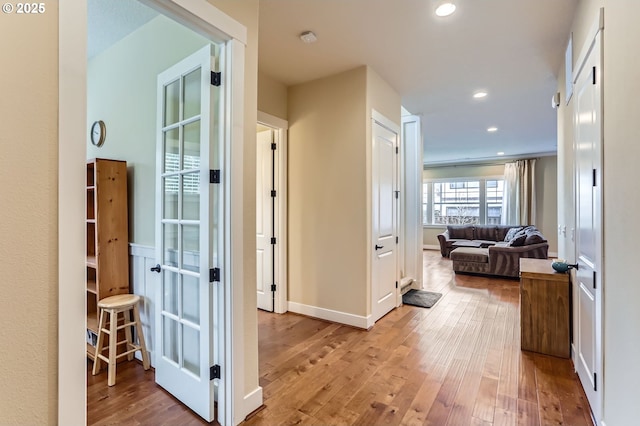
251, 402
331, 315
430, 247
552, 254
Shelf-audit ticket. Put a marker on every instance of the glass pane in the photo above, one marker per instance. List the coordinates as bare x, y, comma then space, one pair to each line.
170, 292
191, 247
192, 146
191, 196
171, 150
171, 185
170, 235
170, 339
192, 94
172, 103
191, 349
191, 299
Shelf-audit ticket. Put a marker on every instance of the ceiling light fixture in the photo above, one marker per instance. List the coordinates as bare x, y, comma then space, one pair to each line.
500, 153
308, 37
492, 129
480, 95
445, 8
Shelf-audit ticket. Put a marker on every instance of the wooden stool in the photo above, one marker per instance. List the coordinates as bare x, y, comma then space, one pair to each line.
112, 306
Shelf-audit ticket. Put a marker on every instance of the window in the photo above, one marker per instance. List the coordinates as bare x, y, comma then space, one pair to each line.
462, 201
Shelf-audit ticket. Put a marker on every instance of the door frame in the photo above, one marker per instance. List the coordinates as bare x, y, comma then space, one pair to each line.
377, 117
593, 42
212, 23
280, 128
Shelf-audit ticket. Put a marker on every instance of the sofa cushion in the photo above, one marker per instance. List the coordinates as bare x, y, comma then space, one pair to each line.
501, 231
511, 233
487, 233
469, 254
518, 239
534, 237
464, 232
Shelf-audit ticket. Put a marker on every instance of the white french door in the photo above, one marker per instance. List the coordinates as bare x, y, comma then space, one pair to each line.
188, 233
588, 136
384, 276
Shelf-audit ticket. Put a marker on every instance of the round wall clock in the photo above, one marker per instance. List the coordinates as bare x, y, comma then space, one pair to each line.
98, 133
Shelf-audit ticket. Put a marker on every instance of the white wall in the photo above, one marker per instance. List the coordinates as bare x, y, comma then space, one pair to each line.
621, 200
546, 199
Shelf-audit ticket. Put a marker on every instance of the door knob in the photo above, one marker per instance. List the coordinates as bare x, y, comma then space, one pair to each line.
379, 247
156, 268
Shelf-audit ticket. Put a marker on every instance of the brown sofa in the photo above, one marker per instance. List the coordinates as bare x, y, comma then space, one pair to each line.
497, 248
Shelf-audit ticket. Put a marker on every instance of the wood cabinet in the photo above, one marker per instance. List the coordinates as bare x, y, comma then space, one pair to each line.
107, 238
545, 308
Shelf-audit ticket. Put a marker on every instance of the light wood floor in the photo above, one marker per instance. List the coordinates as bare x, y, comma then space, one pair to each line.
458, 363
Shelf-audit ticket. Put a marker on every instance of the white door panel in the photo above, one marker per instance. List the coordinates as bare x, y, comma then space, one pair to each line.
187, 228
384, 217
264, 220
588, 136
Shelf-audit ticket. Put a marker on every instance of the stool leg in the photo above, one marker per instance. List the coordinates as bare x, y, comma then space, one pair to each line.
143, 346
113, 340
100, 343
127, 332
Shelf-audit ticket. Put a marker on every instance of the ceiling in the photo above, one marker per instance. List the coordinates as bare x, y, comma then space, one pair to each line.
510, 48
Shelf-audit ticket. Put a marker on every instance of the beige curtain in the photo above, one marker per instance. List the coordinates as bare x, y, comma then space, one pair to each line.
519, 199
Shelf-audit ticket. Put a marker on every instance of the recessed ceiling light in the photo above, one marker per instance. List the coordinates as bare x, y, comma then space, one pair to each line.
492, 129
445, 8
308, 37
500, 153
480, 94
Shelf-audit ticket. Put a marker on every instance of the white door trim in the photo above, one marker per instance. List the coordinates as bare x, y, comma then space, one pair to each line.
281, 128
219, 27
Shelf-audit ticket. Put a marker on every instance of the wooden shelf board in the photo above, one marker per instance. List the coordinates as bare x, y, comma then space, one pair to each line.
92, 322
91, 261
91, 352
92, 287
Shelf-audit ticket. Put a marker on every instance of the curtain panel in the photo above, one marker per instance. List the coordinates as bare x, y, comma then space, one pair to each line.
519, 197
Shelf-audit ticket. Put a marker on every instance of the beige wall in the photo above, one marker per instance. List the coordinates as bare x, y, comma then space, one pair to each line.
122, 91
620, 172
272, 96
29, 218
546, 202
327, 192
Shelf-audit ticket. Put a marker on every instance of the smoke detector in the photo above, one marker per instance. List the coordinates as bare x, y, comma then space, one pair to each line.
308, 37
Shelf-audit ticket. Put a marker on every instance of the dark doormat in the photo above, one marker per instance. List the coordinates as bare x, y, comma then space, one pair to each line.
422, 298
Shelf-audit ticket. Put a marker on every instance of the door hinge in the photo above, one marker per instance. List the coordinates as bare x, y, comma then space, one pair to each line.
214, 176
397, 239
214, 275
216, 78
594, 279
396, 284
273, 193
594, 75
595, 382
594, 177
397, 150
273, 146
214, 372
397, 194
273, 240
273, 287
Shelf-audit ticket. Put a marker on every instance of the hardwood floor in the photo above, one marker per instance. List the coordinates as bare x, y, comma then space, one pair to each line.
458, 363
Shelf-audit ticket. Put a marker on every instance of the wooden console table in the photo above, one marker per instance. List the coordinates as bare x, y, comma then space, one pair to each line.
544, 308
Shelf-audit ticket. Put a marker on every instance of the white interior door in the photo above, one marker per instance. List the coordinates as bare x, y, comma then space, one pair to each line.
588, 339
384, 277
188, 224
265, 223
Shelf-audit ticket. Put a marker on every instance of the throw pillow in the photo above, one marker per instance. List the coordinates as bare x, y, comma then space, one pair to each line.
534, 237
511, 233
464, 232
518, 240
